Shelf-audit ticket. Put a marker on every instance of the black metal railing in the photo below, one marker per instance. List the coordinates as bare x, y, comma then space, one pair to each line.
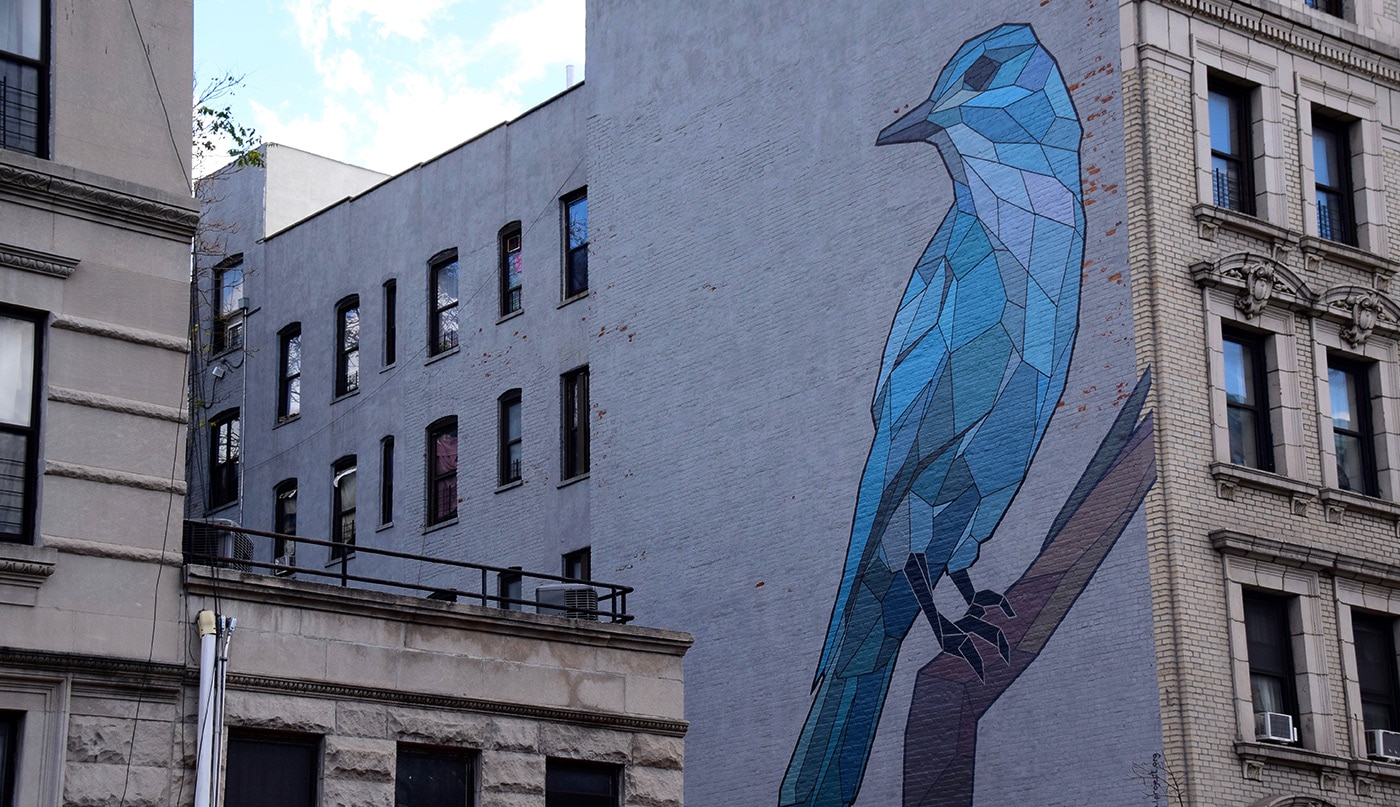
230, 546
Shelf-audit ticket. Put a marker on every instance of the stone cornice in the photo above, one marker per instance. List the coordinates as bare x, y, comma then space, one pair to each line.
104, 204
135, 336
580, 717
1339, 564
28, 260
1261, 25
234, 586
165, 675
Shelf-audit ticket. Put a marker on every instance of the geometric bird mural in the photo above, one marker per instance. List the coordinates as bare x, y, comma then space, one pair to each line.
973, 369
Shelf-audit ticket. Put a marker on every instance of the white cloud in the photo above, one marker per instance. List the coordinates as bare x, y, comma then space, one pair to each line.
399, 82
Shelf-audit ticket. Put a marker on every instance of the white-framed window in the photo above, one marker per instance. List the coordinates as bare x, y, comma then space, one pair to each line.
1288, 668
1339, 148
1368, 616
1241, 91
37, 714
1358, 408
1251, 340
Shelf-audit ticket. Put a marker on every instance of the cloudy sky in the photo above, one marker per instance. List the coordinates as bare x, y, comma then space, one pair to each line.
386, 83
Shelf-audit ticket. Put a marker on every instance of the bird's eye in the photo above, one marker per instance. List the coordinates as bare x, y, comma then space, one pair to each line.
981, 73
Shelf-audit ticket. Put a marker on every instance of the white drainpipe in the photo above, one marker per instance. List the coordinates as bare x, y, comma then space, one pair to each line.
204, 756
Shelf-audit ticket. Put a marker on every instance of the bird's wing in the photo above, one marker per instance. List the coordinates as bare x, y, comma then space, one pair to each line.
916, 357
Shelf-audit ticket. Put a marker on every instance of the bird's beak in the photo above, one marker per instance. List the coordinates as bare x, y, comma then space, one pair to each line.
914, 127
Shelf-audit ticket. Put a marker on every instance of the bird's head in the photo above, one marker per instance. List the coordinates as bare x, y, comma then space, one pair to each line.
1000, 87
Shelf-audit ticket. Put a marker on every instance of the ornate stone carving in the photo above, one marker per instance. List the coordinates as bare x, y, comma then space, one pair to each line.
1253, 769
1259, 281
29, 260
1360, 310
168, 219
1364, 309
1258, 288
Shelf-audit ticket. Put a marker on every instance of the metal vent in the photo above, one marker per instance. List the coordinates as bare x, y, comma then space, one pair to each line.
568, 599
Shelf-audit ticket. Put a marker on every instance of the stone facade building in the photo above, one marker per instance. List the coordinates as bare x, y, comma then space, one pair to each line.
353, 696
1035, 439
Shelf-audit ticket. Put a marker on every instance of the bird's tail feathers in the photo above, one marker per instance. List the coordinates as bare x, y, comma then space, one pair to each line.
829, 762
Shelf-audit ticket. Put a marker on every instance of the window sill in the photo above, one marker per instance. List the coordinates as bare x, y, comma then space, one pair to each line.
284, 421
1210, 218
573, 480
386, 368
1385, 771
385, 526
440, 525
436, 357
1339, 501
512, 315
1229, 477
23, 568
342, 396
509, 486
583, 295
1292, 756
1320, 249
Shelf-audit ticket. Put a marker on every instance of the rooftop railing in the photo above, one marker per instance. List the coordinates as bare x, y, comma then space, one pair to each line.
226, 545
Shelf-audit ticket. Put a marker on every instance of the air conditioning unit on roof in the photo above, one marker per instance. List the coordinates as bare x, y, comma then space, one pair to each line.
567, 599
1274, 727
1383, 745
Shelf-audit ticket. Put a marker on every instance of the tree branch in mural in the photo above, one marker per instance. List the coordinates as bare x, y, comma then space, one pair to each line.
975, 364
940, 738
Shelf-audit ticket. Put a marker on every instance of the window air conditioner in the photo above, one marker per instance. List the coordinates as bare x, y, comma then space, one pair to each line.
285, 564
1382, 744
1274, 727
567, 599
207, 540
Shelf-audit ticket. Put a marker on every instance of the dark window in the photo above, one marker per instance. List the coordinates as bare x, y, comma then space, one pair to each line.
442, 470
511, 268
509, 585
579, 784
284, 518
228, 305
1231, 158
347, 341
1272, 687
1332, 174
509, 430
1348, 383
576, 244
10, 725
386, 480
343, 506
21, 349
24, 77
1373, 636
432, 777
575, 423
289, 386
391, 322
1246, 400
1333, 7
224, 442
578, 565
271, 770
442, 298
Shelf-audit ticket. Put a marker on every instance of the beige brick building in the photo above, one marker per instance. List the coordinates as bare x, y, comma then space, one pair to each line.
1262, 152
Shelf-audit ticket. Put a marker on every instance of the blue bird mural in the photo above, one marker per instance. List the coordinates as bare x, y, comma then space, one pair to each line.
974, 366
